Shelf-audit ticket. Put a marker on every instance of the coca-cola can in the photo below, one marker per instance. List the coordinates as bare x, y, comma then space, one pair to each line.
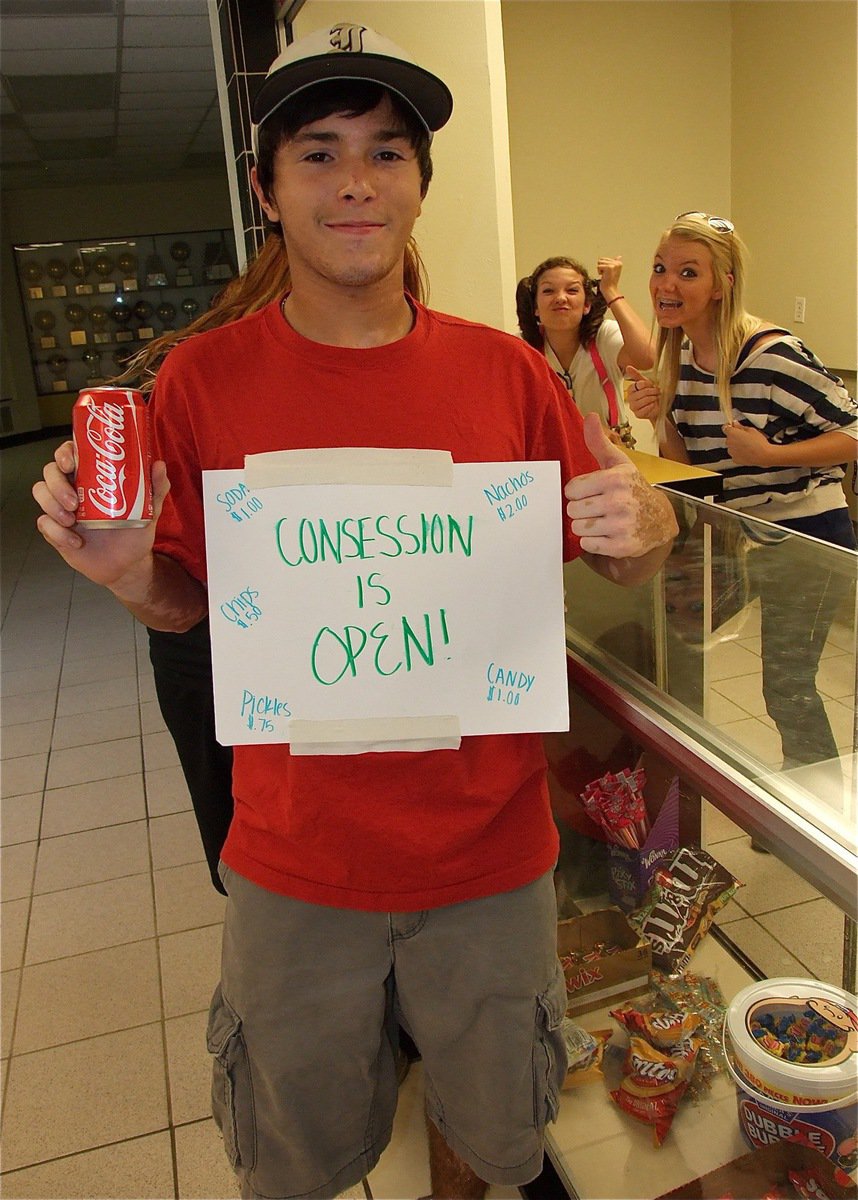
113, 458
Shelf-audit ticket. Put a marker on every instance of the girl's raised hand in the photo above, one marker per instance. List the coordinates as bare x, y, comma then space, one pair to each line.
609, 270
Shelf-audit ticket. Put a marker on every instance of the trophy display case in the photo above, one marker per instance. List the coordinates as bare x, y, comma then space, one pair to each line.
90, 305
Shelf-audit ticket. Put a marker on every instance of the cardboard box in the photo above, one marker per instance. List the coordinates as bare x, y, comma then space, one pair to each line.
605, 979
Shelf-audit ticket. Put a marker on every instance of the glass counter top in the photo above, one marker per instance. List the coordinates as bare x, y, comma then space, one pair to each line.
741, 652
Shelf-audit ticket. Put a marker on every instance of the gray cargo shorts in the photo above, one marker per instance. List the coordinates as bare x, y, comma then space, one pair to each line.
303, 1029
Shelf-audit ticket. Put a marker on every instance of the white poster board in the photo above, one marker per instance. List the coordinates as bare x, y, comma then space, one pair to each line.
348, 616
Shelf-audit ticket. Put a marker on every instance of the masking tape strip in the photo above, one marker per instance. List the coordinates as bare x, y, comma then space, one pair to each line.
372, 735
349, 464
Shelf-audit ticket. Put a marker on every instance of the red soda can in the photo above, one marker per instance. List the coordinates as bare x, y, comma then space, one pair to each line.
113, 458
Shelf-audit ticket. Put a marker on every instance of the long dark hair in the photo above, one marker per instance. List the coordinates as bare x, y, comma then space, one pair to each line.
525, 302
267, 277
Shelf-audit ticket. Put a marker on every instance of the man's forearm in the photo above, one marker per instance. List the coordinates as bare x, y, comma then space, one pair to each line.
160, 593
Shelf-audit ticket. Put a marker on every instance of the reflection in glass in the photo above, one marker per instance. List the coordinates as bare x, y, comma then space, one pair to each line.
746, 640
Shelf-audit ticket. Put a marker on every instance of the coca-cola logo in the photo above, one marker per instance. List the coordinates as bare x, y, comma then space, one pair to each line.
105, 428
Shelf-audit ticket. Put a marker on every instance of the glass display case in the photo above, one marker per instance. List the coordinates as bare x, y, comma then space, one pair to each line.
669, 676
90, 305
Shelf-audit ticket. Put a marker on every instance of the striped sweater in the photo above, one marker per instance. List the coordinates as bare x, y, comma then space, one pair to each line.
782, 389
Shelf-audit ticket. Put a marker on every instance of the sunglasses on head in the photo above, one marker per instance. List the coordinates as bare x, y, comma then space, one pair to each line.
720, 224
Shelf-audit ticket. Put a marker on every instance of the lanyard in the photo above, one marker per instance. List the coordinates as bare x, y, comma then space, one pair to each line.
607, 386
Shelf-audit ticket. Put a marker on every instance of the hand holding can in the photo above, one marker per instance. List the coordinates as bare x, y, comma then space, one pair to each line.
105, 554
113, 458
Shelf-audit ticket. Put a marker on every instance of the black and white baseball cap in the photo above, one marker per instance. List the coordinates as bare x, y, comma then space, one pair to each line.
349, 51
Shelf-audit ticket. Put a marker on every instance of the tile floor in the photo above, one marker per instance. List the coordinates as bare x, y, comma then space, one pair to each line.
110, 927
782, 923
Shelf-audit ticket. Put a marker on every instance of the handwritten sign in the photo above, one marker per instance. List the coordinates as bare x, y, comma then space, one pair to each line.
338, 602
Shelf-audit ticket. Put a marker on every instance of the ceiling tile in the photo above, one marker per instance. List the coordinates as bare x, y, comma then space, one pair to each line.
134, 122
73, 171
74, 106
155, 8
83, 128
58, 8
168, 58
59, 93
58, 62
76, 148
168, 81
166, 30
15, 176
17, 147
58, 33
60, 121
143, 101
127, 137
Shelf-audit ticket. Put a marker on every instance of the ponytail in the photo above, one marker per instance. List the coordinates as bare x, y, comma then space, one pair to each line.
525, 307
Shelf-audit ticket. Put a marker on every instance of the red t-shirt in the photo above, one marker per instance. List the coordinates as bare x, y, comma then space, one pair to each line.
392, 831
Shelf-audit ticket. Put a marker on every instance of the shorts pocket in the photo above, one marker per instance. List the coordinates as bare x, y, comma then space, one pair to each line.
232, 1087
549, 1050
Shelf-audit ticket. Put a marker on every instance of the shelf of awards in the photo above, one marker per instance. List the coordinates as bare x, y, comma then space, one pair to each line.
91, 305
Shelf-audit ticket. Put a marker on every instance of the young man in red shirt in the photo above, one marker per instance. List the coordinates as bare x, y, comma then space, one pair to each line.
368, 890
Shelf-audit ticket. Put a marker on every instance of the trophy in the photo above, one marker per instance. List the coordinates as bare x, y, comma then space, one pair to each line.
121, 356
57, 364
80, 271
143, 311
99, 316
121, 314
57, 271
92, 361
45, 322
180, 252
127, 263
190, 307
218, 264
104, 266
166, 314
75, 314
32, 272
156, 276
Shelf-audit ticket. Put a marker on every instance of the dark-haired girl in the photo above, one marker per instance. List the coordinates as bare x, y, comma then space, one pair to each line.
561, 311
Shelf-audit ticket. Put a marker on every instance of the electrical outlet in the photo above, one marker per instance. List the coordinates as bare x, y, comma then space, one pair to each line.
800, 309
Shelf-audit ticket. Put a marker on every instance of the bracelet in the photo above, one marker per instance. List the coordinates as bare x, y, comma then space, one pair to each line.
614, 301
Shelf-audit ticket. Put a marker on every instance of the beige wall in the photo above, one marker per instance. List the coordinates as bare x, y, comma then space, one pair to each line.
603, 152
465, 232
624, 114
794, 165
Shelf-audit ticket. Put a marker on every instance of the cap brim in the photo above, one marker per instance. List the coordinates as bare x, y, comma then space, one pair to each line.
424, 92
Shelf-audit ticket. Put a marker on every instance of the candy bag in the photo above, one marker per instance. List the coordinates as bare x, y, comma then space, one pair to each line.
585, 1051
654, 1083
663, 1030
680, 906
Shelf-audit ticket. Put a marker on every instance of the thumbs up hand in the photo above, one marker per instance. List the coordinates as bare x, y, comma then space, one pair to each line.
614, 511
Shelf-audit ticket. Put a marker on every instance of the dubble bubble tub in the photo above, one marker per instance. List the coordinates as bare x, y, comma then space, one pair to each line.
792, 1049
